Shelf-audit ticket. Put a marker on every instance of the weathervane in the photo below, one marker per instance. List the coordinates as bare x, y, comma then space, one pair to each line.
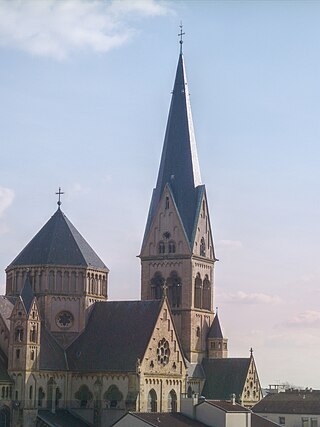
59, 199
180, 35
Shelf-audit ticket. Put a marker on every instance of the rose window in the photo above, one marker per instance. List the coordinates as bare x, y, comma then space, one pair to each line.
163, 352
64, 319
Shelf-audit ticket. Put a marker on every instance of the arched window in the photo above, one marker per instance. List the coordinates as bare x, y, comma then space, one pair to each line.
51, 280
152, 401
161, 248
172, 247
30, 392
33, 334
206, 293
172, 401
19, 334
174, 289
167, 204
83, 395
32, 355
198, 291
40, 396
157, 283
202, 247
189, 392
113, 396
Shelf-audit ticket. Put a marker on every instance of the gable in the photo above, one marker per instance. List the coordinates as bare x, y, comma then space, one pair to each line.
166, 229
163, 355
202, 240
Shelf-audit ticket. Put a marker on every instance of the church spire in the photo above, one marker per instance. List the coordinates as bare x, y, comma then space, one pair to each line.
179, 166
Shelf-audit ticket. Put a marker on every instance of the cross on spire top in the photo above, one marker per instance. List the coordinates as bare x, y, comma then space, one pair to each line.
59, 193
181, 34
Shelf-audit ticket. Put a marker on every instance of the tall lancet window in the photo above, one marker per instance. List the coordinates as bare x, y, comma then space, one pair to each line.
202, 247
206, 301
198, 291
157, 283
174, 289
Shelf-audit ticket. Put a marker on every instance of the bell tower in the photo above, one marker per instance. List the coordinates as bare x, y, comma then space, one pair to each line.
177, 247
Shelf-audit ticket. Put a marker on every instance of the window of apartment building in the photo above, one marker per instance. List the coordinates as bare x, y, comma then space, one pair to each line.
314, 422
282, 421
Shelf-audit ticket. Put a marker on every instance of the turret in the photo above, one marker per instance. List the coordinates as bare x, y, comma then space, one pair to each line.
217, 344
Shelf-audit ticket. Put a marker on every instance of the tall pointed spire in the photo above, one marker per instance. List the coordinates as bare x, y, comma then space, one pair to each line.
179, 166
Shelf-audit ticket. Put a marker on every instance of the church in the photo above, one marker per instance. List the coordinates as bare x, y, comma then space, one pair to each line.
67, 351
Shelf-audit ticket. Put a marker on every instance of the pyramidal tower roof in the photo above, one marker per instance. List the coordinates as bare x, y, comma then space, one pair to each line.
179, 166
58, 243
215, 330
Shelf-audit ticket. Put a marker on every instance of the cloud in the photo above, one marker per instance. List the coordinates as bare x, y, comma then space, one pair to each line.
253, 298
57, 29
309, 318
230, 244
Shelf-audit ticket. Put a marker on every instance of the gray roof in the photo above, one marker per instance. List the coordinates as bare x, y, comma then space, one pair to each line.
224, 377
195, 370
225, 405
61, 418
257, 421
215, 330
179, 166
4, 376
58, 243
52, 355
117, 335
6, 307
290, 402
163, 419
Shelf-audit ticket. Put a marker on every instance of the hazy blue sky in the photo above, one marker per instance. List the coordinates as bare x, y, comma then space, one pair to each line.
85, 91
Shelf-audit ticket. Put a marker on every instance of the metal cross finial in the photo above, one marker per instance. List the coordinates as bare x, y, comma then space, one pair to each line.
251, 351
180, 35
59, 199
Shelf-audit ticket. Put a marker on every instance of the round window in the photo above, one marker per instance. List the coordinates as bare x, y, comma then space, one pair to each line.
64, 319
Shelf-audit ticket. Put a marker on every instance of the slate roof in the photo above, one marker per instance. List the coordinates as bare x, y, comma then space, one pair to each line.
224, 377
6, 307
215, 330
4, 376
164, 419
257, 421
179, 166
195, 370
117, 334
226, 405
61, 418
290, 402
27, 294
52, 356
58, 243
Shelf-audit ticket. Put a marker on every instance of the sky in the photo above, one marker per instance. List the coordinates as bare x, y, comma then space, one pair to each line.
84, 96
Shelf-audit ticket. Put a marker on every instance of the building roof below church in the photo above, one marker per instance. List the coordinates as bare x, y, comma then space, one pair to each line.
112, 329
168, 419
52, 355
58, 243
61, 418
290, 402
224, 377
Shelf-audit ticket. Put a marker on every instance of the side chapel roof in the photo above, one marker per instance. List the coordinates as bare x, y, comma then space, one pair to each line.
224, 377
179, 166
117, 334
58, 243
